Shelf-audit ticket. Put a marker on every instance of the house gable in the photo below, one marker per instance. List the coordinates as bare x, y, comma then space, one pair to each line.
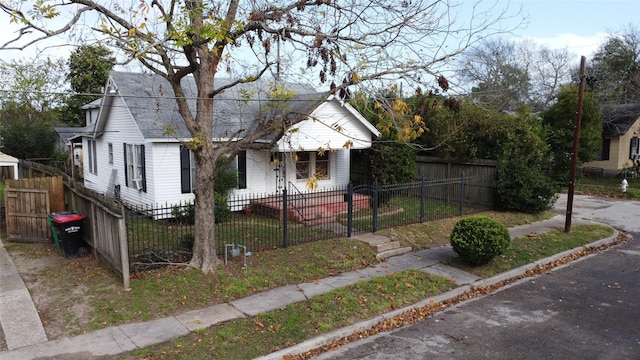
331, 125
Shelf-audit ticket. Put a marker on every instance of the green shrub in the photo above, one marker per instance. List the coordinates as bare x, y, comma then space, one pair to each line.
521, 184
221, 210
186, 241
478, 239
186, 214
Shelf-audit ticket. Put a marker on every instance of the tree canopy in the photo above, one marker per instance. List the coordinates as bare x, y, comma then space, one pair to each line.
40, 83
505, 75
26, 132
559, 121
615, 69
89, 67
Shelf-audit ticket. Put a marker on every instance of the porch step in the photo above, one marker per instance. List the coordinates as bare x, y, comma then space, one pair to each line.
393, 252
384, 246
315, 217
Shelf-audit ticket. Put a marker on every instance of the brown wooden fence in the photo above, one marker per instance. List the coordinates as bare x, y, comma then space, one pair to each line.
104, 227
26, 212
431, 168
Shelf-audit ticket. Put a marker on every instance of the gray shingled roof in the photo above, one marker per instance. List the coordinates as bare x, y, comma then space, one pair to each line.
151, 101
617, 119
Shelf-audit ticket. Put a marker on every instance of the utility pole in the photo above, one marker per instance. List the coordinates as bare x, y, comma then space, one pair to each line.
576, 142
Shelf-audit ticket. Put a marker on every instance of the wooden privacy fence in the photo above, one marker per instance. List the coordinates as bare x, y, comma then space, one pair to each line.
104, 228
433, 168
28, 203
438, 168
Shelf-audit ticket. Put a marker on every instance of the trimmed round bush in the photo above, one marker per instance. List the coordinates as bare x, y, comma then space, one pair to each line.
478, 239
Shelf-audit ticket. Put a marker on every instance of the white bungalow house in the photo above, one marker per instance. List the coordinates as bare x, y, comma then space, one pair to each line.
620, 140
136, 146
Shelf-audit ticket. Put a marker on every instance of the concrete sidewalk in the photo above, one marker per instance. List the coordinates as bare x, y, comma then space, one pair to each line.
26, 338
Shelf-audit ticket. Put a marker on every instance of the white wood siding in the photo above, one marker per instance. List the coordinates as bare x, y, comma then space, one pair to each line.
260, 174
166, 172
119, 129
324, 133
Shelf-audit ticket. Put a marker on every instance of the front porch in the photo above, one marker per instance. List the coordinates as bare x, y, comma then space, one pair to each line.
309, 208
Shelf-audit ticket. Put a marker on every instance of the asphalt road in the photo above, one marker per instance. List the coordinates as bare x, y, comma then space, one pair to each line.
589, 309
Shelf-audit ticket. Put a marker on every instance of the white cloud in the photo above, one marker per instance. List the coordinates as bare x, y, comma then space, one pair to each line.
576, 44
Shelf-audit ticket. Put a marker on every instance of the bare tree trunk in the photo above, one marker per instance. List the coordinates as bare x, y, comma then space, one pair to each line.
205, 256
206, 154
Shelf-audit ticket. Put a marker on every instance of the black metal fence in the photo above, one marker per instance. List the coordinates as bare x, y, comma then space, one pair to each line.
164, 234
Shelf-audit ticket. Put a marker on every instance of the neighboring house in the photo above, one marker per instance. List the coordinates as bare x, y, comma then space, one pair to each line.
136, 146
620, 139
9, 163
70, 141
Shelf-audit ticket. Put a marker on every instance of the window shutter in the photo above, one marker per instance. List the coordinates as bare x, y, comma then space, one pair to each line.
634, 146
606, 149
126, 175
242, 170
185, 171
144, 169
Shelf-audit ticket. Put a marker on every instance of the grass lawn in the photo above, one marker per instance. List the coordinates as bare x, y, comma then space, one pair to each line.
608, 187
265, 333
268, 332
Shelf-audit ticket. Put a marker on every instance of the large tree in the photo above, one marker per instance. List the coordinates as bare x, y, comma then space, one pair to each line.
89, 67
26, 132
505, 74
559, 121
615, 69
39, 83
344, 44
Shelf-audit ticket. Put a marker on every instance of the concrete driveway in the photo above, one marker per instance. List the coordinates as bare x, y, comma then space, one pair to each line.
620, 213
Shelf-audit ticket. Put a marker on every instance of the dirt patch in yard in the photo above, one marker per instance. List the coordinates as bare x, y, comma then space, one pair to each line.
58, 286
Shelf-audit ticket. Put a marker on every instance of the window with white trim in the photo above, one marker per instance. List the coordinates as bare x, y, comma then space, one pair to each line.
110, 147
188, 170
134, 167
93, 157
634, 148
312, 163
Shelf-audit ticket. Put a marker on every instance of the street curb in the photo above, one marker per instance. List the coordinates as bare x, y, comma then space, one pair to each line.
338, 334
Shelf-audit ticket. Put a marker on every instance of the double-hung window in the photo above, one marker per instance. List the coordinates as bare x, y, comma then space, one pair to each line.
312, 163
188, 170
634, 148
93, 157
134, 167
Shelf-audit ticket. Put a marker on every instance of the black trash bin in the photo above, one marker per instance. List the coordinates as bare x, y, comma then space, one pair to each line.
67, 228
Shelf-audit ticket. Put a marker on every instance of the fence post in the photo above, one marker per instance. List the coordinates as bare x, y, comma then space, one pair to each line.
349, 209
124, 250
423, 195
374, 222
285, 220
462, 194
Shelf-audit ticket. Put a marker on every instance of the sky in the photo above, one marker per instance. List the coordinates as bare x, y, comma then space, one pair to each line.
577, 25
